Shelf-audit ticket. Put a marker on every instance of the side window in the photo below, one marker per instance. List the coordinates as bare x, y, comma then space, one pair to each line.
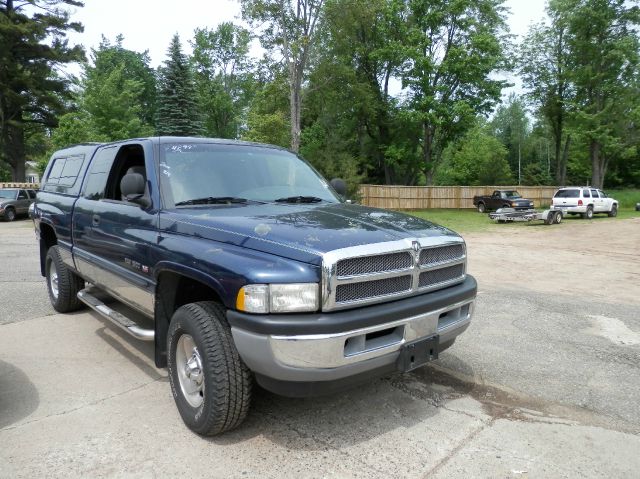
594, 193
32, 194
96, 182
22, 195
586, 194
63, 174
130, 159
602, 194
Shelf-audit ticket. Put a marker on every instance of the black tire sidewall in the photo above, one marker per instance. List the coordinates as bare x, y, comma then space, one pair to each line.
589, 213
10, 214
481, 208
68, 283
181, 325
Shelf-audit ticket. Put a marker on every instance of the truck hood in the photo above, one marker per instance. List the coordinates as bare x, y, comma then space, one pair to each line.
298, 231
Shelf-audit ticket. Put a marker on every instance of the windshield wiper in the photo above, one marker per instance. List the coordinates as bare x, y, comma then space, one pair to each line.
299, 199
212, 200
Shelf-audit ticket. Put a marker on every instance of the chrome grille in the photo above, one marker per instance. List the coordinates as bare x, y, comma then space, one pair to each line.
438, 276
361, 275
443, 254
371, 289
374, 264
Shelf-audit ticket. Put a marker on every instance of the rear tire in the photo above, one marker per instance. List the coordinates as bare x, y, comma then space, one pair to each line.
209, 381
62, 284
614, 211
589, 214
481, 208
9, 214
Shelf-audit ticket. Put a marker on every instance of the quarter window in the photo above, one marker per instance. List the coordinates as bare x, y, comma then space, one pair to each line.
586, 194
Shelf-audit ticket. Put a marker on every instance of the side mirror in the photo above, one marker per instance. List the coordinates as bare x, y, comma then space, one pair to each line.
339, 185
132, 187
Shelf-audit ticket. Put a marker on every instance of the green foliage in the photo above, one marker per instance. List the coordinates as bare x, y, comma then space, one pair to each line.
478, 158
33, 46
224, 79
511, 126
178, 112
116, 69
451, 49
267, 120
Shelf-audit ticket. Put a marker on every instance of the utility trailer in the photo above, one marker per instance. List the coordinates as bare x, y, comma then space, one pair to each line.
504, 215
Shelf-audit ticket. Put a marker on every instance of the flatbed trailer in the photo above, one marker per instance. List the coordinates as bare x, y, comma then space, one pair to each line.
504, 215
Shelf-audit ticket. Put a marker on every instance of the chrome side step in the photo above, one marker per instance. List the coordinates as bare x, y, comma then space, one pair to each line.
115, 317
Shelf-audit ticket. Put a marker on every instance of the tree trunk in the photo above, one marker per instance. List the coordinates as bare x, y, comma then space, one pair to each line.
295, 85
597, 172
14, 150
562, 165
427, 152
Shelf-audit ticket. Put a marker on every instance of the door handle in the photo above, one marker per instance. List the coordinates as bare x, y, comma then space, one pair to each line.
95, 220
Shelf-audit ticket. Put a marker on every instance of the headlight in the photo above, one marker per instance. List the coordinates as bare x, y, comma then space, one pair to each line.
278, 298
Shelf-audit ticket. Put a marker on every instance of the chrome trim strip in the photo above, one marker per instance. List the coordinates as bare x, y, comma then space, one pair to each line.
330, 259
328, 350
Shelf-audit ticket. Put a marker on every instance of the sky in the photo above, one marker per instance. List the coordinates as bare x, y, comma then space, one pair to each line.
150, 24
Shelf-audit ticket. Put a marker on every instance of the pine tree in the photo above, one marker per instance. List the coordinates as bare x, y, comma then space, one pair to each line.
32, 46
177, 113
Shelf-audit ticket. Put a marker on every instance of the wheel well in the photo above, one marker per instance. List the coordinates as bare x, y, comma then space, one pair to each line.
172, 291
47, 240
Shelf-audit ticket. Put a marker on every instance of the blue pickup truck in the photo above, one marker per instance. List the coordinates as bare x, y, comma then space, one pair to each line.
242, 264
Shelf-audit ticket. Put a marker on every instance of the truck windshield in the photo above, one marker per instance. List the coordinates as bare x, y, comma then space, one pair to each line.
11, 194
194, 172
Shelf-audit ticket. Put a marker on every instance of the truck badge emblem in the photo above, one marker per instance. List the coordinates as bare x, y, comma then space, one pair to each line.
415, 245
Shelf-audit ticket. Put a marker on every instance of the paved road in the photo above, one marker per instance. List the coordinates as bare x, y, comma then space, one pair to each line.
541, 385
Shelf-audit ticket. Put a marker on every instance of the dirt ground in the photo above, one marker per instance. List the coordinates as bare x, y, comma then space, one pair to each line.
599, 259
545, 383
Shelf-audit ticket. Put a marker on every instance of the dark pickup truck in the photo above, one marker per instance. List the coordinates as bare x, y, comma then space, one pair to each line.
242, 264
502, 199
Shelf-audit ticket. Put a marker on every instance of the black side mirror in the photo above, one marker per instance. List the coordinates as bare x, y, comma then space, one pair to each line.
132, 187
339, 185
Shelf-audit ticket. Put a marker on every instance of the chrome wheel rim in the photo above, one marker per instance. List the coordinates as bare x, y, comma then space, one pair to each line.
190, 372
53, 280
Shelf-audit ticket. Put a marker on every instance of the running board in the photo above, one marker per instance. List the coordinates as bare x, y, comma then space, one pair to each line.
115, 317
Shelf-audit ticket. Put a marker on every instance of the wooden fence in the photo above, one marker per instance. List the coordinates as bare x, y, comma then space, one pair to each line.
27, 186
427, 197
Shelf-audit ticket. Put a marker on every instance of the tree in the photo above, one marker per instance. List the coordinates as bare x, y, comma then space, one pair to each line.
604, 58
511, 127
32, 36
288, 26
267, 120
452, 48
223, 77
544, 60
134, 66
178, 113
478, 158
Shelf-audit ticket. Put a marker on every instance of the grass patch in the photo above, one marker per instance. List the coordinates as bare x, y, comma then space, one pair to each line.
627, 197
470, 221
466, 220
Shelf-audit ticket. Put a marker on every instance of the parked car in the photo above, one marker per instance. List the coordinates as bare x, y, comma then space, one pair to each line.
15, 202
502, 199
241, 263
585, 201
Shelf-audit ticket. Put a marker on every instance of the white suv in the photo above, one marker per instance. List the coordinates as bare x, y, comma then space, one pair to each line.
584, 200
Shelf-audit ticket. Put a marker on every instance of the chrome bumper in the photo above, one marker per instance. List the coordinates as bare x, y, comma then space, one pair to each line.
333, 356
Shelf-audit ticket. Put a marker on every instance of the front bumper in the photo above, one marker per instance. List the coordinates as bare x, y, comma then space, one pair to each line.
324, 350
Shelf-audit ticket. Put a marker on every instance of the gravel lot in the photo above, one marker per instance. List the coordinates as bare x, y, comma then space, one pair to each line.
545, 382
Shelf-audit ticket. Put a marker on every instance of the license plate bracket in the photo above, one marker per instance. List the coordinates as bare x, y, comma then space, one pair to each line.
418, 353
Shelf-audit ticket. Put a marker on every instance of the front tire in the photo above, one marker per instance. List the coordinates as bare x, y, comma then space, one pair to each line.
62, 284
614, 211
481, 208
9, 214
209, 381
